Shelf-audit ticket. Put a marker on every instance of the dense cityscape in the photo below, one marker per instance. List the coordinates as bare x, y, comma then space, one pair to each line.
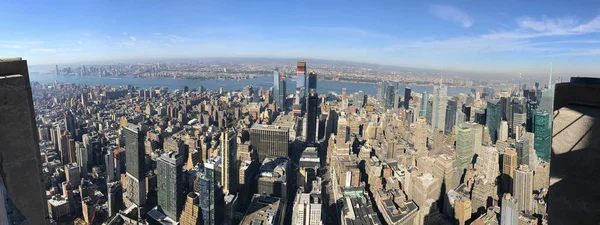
126, 155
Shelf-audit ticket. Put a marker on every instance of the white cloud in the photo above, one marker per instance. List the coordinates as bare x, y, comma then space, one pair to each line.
47, 50
453, 14
12, 46
132, 38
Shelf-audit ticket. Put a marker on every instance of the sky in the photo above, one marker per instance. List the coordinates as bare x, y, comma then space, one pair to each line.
505, 37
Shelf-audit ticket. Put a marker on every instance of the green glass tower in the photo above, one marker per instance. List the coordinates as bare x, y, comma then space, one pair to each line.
494, 115
542, 130
464, 147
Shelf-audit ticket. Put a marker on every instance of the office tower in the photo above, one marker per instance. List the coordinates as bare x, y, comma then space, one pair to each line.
312, 105
574, 160
73, 175
115, 197
272, 178
440, 100
191, 210
406, 97
462, 210
396, 99
477, 131
306, 210
82, 158
464, 148
135, 155
493, 118
301, 78
270, 140
279, 90
523, 188
109, 159
420, 136
509, 164
524, 146
20, 148
450, 115
503, 131
543, 134
488, 163
424, 104
229, 178
531, 107
312, 81
209, 196
69, 122
509, 212
170, 189
479, 117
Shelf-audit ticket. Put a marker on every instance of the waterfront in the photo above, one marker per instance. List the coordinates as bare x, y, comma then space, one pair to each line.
227, 85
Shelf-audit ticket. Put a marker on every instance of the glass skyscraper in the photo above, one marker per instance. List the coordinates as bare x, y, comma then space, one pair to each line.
424, 104
451, 115
493, 117
170, 195
543, 134
279, 90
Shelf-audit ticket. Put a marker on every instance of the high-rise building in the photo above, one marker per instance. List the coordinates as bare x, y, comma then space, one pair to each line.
464, 148
115, 197
462, 210
109, 161
440, 100
21, 163
523, 188
70, 122
229, 178
488, 163
306, 210
73, 174
170, 189
270, 140
301, 78
209, 196
509, 212
503, 131
312, 105
191, 211
263, 209
450, 115
406, 97
524, 146
543, 134
509, 164
279, 90
135, 154
493, 118
420, 136
424, 104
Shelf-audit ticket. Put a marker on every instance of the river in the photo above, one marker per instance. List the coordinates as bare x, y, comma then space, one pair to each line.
227, 85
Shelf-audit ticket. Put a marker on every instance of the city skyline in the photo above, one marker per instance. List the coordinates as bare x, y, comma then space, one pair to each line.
480, 37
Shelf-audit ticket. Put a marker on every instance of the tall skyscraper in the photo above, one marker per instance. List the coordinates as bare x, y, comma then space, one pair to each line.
115, 197
509, 212
312, 106
440, 100
464, 148
270, 140
191, 211
424, 104
306, 210
493, 118
70, 122
406, 97
420, 137
543, 134
503, 131
450, 115
312, 81
135, 154
509, 164
21, 163
524, 146
523, 188
170, 189
301, 78
209, 203
229, 176
279, 90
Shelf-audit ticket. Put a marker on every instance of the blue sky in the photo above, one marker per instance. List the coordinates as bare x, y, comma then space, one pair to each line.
481, 36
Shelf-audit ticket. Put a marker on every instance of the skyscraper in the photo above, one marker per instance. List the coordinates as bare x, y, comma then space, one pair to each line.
493, 118
306, 211
406, 97
523, 188
450, 115
509, 214
509, 164
464, 148
270, 140
524, 146
135, 154
229, 162
21, 163
424, 104
170, 189
440, 100
503, 131
543, 134
208, 196
312, 105
115, 197
281, 93
301, 78
312, 81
